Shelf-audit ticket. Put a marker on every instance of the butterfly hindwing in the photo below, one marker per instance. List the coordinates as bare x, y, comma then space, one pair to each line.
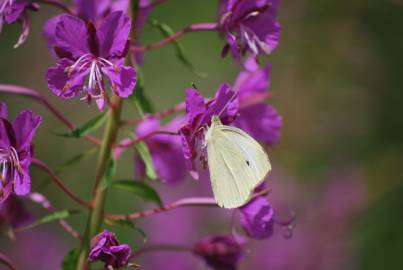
237, 164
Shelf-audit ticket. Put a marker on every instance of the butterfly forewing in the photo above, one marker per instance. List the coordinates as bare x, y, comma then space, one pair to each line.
237, 164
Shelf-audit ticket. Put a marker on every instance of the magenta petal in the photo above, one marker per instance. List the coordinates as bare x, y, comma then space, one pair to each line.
25, 126
194, 104
62, 84
71, 35
113, 34
257, 218
91, 10
22, 183
49, 31
261, 121
15, 11
122, 81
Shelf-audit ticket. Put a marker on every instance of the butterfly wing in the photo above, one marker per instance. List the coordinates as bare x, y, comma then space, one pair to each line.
237, 164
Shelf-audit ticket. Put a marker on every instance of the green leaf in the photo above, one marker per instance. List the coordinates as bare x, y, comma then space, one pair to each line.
87, 127
109, 173
138, 98
145, 155
62, 214
167, 31
70, 260
127, 223
140, 189
76, 159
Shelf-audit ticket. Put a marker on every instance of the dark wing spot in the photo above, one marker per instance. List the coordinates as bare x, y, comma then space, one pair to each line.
247, 162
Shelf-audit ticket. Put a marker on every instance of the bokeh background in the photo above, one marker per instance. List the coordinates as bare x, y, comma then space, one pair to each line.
336, 81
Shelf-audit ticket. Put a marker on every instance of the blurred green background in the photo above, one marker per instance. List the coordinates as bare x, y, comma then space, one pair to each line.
336, 79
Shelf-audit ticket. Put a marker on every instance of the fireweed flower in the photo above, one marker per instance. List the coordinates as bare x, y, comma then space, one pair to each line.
249, 25
258, 218
199, 113
257, 118
16, 152
95, 10
12, 11
220, 252
13, 213
106, 248
165, 149
96, 53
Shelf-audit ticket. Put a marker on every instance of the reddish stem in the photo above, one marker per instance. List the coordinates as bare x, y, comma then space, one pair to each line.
24, 91
140, 139
6, 261
59, 183
191, 28
186, 202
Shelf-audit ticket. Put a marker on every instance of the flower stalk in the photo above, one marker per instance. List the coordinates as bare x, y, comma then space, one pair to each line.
97, 213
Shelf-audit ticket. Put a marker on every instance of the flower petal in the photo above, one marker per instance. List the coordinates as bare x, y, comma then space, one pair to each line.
257, 218
14, 12
22, 183
91, 10
261, 121
122, 79
113, 34
71, 35
25, 126
62, 84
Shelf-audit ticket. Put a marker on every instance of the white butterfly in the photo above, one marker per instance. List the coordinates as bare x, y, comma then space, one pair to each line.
237, 164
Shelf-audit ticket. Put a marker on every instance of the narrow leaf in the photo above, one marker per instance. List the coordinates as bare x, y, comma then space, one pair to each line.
75, 159
62, 214
138, 98
70, 260
109, 173
167, 31
140, 189
145, 155
87, 127
127, 223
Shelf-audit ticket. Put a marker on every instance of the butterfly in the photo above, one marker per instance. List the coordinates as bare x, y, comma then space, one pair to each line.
237, 163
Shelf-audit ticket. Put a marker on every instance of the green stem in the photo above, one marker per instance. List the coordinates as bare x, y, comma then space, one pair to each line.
95, 218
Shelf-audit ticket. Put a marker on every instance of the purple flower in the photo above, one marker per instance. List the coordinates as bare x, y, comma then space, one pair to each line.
12, 11
94, 10
94, 52
257, 218
258, 119
13, 213
16, 152
165, 149
106, 248
249, 25
220, 252
199, 113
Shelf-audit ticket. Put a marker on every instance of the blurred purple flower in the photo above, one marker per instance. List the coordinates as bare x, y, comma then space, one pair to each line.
16, 152
258, 119
199, 113
220, 252
166, 150
86, 51
249, 25
12, 11
106, 248
257, 218
95, 10
144, 10
13, 213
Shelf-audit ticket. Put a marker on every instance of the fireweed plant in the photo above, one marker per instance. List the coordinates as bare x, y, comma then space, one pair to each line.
98, 58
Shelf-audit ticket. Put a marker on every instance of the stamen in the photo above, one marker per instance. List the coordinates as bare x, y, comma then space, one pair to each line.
4, 4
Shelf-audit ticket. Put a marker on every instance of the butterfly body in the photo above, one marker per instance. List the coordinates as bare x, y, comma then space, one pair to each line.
237, 164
